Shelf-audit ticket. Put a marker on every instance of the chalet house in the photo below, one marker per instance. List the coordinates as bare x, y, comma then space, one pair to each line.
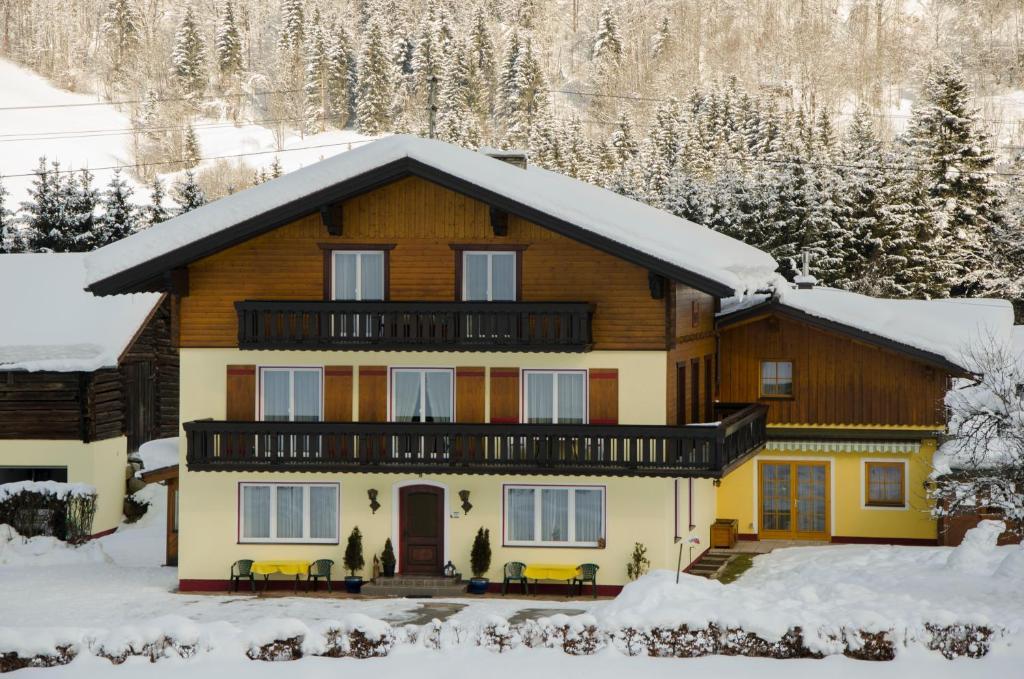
84, 380
421, 340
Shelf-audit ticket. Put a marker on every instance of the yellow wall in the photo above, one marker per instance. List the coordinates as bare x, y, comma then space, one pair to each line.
641, 373
638, 510
101, 464
739, 494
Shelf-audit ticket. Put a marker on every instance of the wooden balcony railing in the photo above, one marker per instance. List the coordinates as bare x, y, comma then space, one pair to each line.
615, 450
423, 326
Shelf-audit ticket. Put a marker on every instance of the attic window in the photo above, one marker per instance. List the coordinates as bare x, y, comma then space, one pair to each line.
776, 379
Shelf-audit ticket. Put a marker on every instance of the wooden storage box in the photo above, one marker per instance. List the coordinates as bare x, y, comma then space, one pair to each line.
723, 533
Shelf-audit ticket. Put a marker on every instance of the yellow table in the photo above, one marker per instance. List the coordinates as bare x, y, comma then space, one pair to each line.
551, 571
268, 568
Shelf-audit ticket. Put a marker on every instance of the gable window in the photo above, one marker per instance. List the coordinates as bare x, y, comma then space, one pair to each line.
570, 516
488, 276
422, 395
555, 396
357, 275
292, 512
884, 484
776, 379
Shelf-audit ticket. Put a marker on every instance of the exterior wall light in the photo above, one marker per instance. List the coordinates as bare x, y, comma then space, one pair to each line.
374, 505
464, 496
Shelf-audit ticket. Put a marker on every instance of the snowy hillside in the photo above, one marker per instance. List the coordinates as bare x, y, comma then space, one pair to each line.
81, 131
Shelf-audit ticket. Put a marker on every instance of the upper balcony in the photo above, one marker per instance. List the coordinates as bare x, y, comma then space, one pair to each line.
415, 326
704, 450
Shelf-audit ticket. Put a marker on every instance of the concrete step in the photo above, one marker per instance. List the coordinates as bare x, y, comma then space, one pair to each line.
415, 586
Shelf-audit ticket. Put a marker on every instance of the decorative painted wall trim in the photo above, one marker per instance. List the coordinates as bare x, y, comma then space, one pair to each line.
843, 446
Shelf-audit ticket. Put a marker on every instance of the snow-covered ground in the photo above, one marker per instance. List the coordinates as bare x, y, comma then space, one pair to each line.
81, 131
112, 590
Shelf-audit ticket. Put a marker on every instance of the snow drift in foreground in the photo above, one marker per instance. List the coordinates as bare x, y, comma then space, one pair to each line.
43, 550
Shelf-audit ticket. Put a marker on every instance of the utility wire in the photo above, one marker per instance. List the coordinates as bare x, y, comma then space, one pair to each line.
120, 102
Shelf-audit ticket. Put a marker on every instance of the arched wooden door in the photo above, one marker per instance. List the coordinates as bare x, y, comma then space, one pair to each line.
421, 529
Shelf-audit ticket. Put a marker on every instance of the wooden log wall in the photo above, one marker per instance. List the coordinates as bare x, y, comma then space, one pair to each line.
36, 405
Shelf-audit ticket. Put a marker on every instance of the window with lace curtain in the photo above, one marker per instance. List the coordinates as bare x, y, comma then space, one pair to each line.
555, 396
288, 512
553, 516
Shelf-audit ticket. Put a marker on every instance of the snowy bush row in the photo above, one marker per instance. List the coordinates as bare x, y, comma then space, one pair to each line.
60, 491
358, 636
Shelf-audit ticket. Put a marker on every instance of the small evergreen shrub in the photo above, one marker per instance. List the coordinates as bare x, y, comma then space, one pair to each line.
387, 558
64, 511
354, 560
638, 564
134, 508
480, 557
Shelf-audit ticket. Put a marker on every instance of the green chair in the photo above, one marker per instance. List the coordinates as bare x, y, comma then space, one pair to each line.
321, 568
514, 573
588, 573
242, 570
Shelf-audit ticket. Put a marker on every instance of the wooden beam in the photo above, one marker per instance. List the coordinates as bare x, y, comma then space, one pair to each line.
499, 221
332, 219
176, 282
656, 283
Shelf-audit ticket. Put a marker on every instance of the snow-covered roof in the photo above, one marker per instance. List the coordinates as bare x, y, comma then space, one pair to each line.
603, 214
51, 323
945, 328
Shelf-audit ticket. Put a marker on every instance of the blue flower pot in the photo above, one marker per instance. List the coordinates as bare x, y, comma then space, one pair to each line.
353, 584
478, 585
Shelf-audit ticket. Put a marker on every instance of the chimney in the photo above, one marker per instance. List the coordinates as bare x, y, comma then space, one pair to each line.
515, 157
805, 281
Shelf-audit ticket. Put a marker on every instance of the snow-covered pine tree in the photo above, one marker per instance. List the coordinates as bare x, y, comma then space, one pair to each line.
188, 194
318, 103
341, 73
623, 140
122, 29
607, 40
662, 38
81, 201
191, 151
188, 58
275, 169
456, 121
945, 138
907, 213
546, 144
59, 213
293, 25
10, 236
156, 212
661, 150
523, 89
376, 88
228, 44
482, 63
576, 151
120, 216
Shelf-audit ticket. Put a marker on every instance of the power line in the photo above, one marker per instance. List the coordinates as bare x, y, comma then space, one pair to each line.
349, 144
158, 100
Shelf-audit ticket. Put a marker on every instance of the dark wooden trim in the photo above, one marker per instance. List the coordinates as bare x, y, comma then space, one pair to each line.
775, 307
880, 435
160, 474
499, 247
330, 248
147, 275
141, 329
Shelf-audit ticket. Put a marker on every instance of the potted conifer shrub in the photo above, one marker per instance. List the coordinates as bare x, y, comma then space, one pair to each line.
480, 561
354, 561
387, 559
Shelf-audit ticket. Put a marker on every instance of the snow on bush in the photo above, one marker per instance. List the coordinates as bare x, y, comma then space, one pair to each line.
977, 554
43, 550
64, 510
60, 491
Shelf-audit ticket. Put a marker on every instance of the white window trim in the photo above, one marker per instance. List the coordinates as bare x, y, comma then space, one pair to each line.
537, 520
864, 488
524, 405
423, 387
490, 276
306, 525
359, 271
291, 389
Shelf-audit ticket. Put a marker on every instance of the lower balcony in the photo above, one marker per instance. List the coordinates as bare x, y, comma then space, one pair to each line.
704, 450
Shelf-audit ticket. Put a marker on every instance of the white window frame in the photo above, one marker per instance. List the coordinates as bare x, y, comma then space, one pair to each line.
291, 370
306, 524
359, 272
537, 518
490, 272
423, 387
526, 372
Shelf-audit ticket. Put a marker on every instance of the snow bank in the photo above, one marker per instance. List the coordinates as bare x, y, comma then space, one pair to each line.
945, 327
977, 553
17, 550
158, 454
651, 231
52, 323
59, 490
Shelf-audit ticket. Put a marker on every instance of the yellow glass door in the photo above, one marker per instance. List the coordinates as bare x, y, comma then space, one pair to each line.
794, 502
